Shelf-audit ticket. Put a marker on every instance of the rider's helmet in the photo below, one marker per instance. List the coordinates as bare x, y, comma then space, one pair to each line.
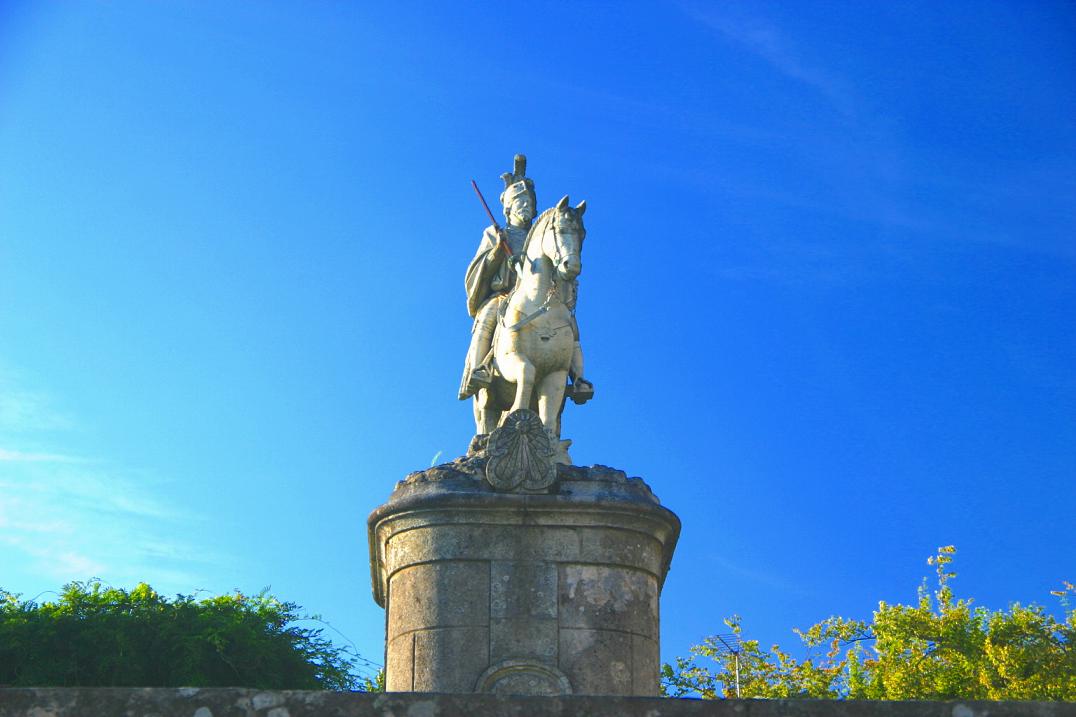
516, 183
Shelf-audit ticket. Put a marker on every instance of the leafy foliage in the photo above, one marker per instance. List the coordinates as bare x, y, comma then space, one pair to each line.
103, 636
940, 648
375, 683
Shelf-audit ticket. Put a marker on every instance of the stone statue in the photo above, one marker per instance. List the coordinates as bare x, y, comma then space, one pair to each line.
522, 289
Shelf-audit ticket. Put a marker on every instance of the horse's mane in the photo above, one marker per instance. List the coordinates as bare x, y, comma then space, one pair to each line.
543, 219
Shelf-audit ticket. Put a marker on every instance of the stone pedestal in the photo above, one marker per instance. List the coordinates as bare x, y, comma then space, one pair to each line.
512, 593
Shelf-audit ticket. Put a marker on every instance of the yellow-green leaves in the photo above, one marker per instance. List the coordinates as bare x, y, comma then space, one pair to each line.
940, 648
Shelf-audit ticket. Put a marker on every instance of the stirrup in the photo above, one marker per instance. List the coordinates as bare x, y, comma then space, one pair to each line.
580, 391
475, 381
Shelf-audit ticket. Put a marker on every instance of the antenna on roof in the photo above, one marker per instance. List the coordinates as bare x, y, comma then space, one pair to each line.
732, 644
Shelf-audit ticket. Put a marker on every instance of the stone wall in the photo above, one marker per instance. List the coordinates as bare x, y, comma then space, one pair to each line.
236, 702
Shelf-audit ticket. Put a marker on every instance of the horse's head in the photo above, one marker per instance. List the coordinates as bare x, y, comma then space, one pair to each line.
562, 239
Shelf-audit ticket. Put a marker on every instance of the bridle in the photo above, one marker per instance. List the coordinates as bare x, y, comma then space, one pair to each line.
557, 259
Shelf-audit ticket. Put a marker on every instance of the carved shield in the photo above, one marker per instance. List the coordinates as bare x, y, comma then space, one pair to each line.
521, 455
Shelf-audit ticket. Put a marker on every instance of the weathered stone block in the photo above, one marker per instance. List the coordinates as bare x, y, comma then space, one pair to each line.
638, 549
608, 598
597, 662
400, 659
540, 543
523, 589
645, 666
438, 595
515, 638
504, 541
448, 658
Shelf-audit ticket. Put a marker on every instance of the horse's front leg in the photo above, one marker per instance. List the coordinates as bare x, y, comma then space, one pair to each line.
518, 370
485, 414
551, 400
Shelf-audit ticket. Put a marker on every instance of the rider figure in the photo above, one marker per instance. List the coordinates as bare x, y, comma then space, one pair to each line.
492, 273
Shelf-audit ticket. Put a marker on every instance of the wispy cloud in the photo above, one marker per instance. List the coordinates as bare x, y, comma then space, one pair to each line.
762, 577
24, 411
662, 117
56, 564
28, 457
65, 517
871, 172
763, 39
69, 521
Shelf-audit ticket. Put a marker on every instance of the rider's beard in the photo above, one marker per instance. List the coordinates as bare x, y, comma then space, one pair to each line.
521, 218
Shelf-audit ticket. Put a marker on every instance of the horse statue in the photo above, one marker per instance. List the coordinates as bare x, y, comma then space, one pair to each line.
535, 338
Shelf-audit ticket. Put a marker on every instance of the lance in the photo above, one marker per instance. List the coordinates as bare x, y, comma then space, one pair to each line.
492, 221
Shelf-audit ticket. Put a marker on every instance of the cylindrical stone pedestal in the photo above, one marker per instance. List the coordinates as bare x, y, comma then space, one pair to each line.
524, 594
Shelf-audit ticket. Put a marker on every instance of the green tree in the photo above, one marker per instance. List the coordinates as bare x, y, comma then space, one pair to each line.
103, 636
940, 648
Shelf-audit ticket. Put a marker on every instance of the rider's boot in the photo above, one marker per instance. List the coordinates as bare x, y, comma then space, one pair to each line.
477, 375
481, 377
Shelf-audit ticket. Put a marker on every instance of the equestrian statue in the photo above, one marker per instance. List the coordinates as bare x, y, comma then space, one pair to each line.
521, 290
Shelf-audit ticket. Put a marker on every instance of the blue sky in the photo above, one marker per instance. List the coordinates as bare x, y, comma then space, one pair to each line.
827, 300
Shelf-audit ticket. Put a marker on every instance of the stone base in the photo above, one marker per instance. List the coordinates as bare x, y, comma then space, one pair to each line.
510, 593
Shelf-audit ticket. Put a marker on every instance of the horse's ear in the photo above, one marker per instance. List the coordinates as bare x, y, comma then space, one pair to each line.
563, 203
581, 208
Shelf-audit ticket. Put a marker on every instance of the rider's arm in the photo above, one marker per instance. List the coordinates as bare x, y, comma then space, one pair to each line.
494, 238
